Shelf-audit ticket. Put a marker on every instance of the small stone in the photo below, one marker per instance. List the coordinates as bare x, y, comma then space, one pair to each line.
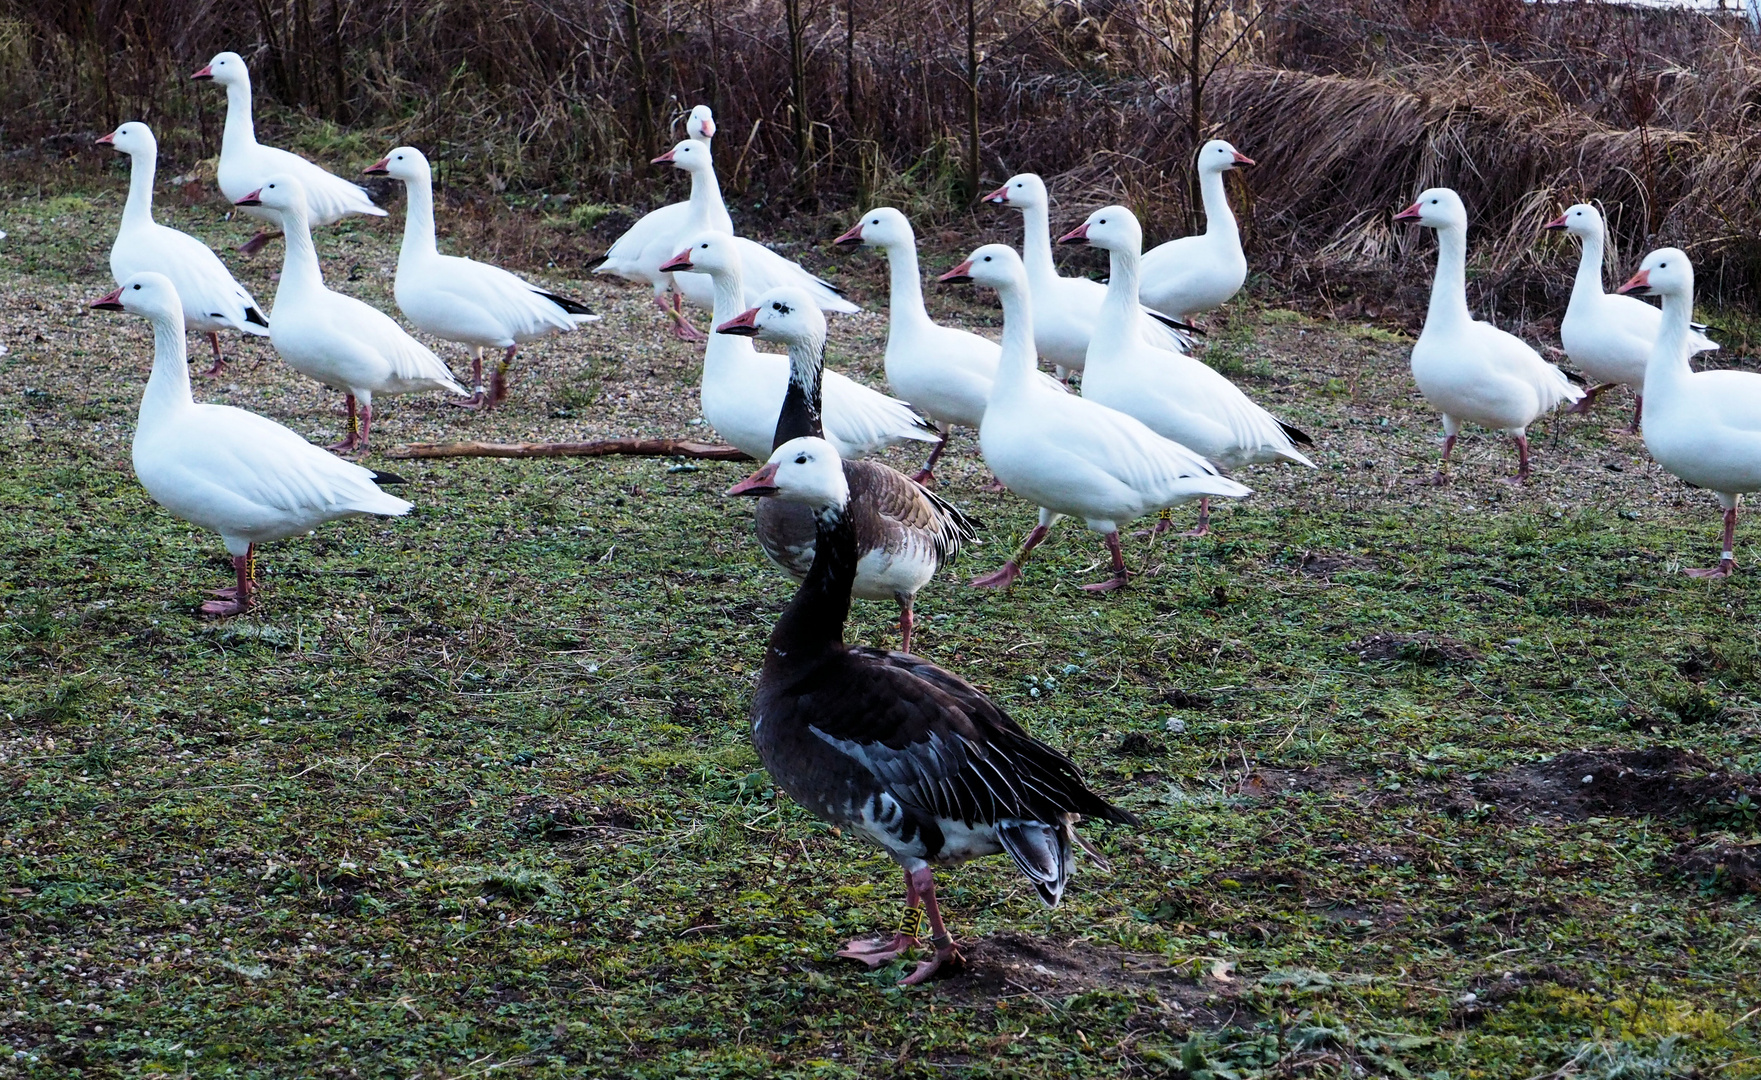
1174, 725
1589, 778
1468, 998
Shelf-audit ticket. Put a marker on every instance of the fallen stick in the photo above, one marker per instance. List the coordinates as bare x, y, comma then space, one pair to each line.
601, 448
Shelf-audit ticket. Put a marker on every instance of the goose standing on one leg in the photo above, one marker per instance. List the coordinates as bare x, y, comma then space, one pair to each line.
636, 256
1193, 274
947, 373
1471, 371
1608, 335
475, 304
743, 389
1703, 426
246, 165
905, 754
1177, 396
343, 343
905, 534
213, 301
224, 469
1065, 308
1071, 456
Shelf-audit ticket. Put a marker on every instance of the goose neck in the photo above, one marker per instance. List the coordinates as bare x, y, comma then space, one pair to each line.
168, 388
801, 412
1449, 286
707, 207
812, 626
1036, 243
299, 263
1588, 281
418, 219
1015, 371
138, 210
1120, 308
1219, 218
239, 131
1669, 350
905, 309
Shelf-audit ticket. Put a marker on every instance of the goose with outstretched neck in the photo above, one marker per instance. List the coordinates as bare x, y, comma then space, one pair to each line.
1068, 455
473, 303
904, 532
227, 470
1471, 371
343, 343
905, 754
1702, 426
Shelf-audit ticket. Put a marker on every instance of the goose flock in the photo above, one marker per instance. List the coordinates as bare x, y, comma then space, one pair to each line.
885, 744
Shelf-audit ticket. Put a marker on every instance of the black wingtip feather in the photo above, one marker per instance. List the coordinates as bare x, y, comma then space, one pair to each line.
1296, 435
252, 315
568, 304
1174, 324
595, 264
386, 479
1574, 378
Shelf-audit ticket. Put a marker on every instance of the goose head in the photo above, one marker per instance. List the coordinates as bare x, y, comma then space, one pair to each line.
133, 138
1582, 220
690, 155
1436, 208
1218, 156
995, 265
805, 470
1024, 191
146, 293
1665, 272
281, 193
700, 125
1111, 227
403, 163
227, 69
785, 314
709, 253
882, 227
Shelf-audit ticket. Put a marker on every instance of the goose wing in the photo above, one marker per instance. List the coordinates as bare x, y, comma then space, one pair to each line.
521, 308
258, 461
410, 360
328, 196
763, 270
909, 506
861, 421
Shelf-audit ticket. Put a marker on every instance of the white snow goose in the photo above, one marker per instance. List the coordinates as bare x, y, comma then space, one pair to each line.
1178, 397
475, 304
1608, 335
343, 343
905, 534
742, 390
227, 470
630, 256
246, 165
1471, 371
944, 372
1702, 426
904, 754
1068, 455
1193, 274
762, 269
1065, 308
213, 301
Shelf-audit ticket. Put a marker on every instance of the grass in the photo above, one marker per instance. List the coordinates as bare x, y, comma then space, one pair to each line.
471, 791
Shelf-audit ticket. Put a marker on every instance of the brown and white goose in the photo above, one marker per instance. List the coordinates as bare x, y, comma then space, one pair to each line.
905, 533
905, 754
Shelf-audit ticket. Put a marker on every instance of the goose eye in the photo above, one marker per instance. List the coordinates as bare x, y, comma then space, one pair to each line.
987, 258
802, 460
137, 288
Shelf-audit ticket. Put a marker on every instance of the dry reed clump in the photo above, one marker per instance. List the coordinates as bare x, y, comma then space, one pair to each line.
1351, 109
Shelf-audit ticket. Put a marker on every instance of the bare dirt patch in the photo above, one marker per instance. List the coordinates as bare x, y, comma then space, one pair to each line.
1661, 782
1324, 564
1426, 650
1013, 965
1720, 862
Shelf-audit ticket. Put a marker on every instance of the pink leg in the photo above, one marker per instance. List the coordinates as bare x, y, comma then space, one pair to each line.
353, 438
1012, 569
995, 486
1117, 581
255, 243
927, 474
231, 591
366, 430
906, 622
1589, 398
1727, 565
1204, 519
879, 951
219, 367
477, 400
947, 953
1522, 461
682, 327
241, 598
1442, 476
1164, 522
498, 383
1638, 413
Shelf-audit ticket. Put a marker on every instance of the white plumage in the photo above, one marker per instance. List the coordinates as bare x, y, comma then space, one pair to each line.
1072, 456
246, 165
1607, 335
212, 300
475, 304
343, 343
742, 390
1194, 274
224, 469
1065, 308
1471, 371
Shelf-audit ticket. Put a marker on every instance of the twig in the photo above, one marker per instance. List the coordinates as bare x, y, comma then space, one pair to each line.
601, 448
